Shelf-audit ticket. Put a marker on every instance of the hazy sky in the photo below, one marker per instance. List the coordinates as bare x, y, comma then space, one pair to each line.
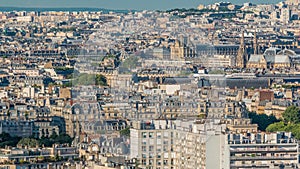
120, 4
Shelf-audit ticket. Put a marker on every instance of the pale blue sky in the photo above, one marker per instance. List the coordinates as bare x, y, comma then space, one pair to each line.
119, 4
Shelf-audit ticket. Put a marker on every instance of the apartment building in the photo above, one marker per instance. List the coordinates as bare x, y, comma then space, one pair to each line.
201, 145
263, 150
152, 144
36, 155
207, 143
179, 144
17, 128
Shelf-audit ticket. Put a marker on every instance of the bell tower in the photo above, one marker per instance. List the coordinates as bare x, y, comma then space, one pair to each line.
255, 44
241, 56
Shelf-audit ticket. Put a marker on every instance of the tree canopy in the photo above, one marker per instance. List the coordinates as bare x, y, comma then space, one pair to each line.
56, 139
291, 115
125, 132
130, 62
280, 126
90, 79
262, 120
29, 142
7, 140
289, 123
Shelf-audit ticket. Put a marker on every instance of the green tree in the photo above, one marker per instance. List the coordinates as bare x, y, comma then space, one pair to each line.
130, 62
63, 138
125, 132
262, 120
7, 140
90, 79
279, 126
57, 157
28, 142
53, 135
296, 131
54, 138
291, 115
101, 80
4, 136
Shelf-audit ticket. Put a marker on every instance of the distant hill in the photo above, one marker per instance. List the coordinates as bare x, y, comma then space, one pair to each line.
8, 9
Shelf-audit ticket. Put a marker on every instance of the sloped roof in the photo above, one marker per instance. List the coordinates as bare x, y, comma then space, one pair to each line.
287, 52
271, 51
281, 59
270, 58
177, 80
247, 83
256, 58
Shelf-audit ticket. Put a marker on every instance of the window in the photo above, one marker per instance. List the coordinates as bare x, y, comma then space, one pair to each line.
144, 135
150, 155
165, 148
151, 148
150, 134
143, 148
158, 141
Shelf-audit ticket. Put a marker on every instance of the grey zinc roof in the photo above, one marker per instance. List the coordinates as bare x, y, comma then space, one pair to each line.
247, 83
282, 59
177, 80
287, 52
270, 58
255, 58
271, 51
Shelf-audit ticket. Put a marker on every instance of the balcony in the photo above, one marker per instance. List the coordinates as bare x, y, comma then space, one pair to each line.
236, 166
258, 150
262, 158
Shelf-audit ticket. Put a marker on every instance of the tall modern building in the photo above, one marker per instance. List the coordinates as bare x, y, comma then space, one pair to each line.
206, 144
179, 144
152, 144
263, 150
201, 145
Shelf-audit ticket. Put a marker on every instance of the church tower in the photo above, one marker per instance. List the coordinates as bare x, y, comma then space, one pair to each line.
255, 44
242, 55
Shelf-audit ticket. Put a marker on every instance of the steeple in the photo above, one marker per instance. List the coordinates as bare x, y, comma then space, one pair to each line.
241, 56
243, 39
255, 45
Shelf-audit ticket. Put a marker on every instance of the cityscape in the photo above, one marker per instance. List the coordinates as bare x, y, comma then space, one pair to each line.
215, 86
